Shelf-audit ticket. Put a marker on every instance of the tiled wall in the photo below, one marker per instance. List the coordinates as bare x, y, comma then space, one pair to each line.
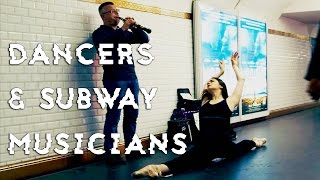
29, 22
288, 59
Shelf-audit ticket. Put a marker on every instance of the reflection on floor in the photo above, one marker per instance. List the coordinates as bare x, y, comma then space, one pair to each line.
292, 152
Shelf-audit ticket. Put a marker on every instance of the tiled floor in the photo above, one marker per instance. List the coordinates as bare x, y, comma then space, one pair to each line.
292, 152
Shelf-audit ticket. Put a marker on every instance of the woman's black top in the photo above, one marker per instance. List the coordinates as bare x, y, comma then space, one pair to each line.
215, 122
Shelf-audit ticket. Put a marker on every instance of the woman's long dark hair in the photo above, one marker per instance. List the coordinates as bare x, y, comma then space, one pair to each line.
205, 96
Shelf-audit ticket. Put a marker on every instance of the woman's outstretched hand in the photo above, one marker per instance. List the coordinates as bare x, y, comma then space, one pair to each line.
235, 97
222, 65
234, 59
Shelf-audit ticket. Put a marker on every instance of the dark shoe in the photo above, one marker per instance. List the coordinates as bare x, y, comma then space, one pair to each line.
135, 155
115, 159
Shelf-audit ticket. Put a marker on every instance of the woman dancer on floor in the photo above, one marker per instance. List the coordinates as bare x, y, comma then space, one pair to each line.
214, 114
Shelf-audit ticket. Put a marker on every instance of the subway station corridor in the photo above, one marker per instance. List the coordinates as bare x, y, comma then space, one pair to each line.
292, 152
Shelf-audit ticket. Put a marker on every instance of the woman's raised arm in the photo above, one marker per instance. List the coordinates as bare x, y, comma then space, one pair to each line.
234, 99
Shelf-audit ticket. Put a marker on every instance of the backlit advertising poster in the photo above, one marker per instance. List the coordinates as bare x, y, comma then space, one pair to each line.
253, 54
219, 38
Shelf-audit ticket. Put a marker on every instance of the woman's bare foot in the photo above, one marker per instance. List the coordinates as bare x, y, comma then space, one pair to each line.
259, 141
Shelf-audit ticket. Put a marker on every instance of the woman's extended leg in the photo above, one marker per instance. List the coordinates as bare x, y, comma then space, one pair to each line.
238, 149
198, 157
194, 158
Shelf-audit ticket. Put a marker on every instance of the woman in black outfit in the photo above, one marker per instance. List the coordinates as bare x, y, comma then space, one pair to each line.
214, 138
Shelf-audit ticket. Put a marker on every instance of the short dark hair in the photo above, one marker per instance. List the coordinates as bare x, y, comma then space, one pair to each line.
104, 4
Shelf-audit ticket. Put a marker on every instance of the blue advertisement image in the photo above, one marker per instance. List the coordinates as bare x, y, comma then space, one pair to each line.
219, 39
253, 52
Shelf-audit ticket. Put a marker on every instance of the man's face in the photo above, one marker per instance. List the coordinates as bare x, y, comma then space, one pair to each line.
110, 15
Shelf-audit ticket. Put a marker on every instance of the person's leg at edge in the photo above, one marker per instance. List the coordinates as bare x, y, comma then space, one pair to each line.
130, 116
112, 120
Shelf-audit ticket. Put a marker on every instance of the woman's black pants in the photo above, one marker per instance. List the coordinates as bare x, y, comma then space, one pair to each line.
201, 155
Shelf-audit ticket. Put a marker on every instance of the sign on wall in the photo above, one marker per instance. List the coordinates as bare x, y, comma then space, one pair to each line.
220, 40
253, 51
216, 40
216, 35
